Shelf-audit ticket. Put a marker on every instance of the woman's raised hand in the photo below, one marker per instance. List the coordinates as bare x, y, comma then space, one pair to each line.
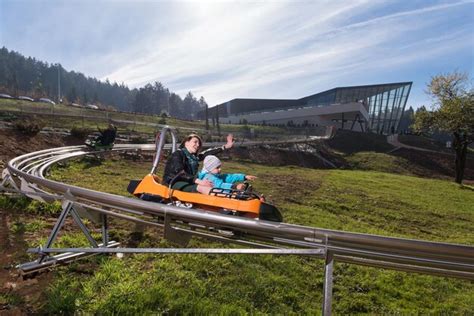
230, 141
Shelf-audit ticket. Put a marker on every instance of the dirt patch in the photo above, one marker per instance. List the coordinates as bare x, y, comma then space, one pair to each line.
435, 165
14, 143
314, 155
24, 293
19, 295
424, 142
349, 142
24, 296
420, 163
280, 189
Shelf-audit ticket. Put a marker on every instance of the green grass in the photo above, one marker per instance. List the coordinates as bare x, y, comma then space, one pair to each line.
373, 161
359, 201
10, 299
30, 206
198, 284
108, 176
353, 200
33, 226
371, 202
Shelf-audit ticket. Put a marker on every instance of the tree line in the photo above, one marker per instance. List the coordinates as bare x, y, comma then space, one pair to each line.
20, 75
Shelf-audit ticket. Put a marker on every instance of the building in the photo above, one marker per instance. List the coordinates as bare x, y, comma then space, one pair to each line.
376, 108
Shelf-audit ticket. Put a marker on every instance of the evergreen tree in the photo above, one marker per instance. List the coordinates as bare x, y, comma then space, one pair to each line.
72, 95
176, 106
85, 98
27, 76
190, 105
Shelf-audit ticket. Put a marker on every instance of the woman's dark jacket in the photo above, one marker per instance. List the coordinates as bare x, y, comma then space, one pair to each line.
177, 167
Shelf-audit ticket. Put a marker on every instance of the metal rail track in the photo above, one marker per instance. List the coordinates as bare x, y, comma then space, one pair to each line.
26, 174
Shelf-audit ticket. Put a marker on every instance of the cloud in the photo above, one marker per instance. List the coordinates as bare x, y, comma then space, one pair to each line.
238, 41
233, 50
255, 49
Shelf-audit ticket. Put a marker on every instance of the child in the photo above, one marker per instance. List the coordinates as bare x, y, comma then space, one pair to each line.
211, 171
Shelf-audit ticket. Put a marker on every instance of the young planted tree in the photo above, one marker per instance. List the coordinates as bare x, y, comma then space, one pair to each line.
452, 112
204, 106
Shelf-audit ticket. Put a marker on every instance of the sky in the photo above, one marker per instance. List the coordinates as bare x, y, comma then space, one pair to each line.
223, 50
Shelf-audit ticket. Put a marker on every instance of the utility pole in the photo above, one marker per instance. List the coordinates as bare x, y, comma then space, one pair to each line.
59, 84
217, 121
207, 117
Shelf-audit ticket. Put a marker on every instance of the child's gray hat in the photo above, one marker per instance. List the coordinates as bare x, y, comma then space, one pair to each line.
210, 162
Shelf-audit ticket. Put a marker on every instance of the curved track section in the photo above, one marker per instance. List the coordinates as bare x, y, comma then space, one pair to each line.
28, 172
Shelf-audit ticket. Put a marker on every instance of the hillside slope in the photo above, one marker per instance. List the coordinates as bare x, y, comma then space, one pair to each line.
353, 200
359, 151
360, 201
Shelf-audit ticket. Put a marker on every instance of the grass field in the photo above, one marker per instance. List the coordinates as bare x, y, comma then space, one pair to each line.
359, 201
389, 201
62, 116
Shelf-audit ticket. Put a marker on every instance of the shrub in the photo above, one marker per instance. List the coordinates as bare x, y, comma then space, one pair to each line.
20, 203
8, 117
29, 126
80, 132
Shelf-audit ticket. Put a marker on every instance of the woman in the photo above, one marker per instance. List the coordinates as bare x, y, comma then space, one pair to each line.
182, 166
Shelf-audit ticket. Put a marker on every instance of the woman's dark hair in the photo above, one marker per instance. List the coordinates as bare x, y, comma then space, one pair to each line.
188, 138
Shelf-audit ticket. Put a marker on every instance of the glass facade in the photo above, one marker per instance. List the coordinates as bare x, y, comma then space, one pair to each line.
385, 103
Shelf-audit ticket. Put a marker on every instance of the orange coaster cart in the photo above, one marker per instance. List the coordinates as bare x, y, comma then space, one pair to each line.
236, 202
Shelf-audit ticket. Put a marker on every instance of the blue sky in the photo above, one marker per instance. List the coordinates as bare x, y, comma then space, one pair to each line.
247, 49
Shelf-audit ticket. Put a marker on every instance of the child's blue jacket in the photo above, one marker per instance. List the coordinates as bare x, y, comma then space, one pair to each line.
221, 180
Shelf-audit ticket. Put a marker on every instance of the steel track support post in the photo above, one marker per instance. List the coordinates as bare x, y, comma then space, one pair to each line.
67, 206
83, 227
328, 282
7, 180
4, 184
169, 233
105, 230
